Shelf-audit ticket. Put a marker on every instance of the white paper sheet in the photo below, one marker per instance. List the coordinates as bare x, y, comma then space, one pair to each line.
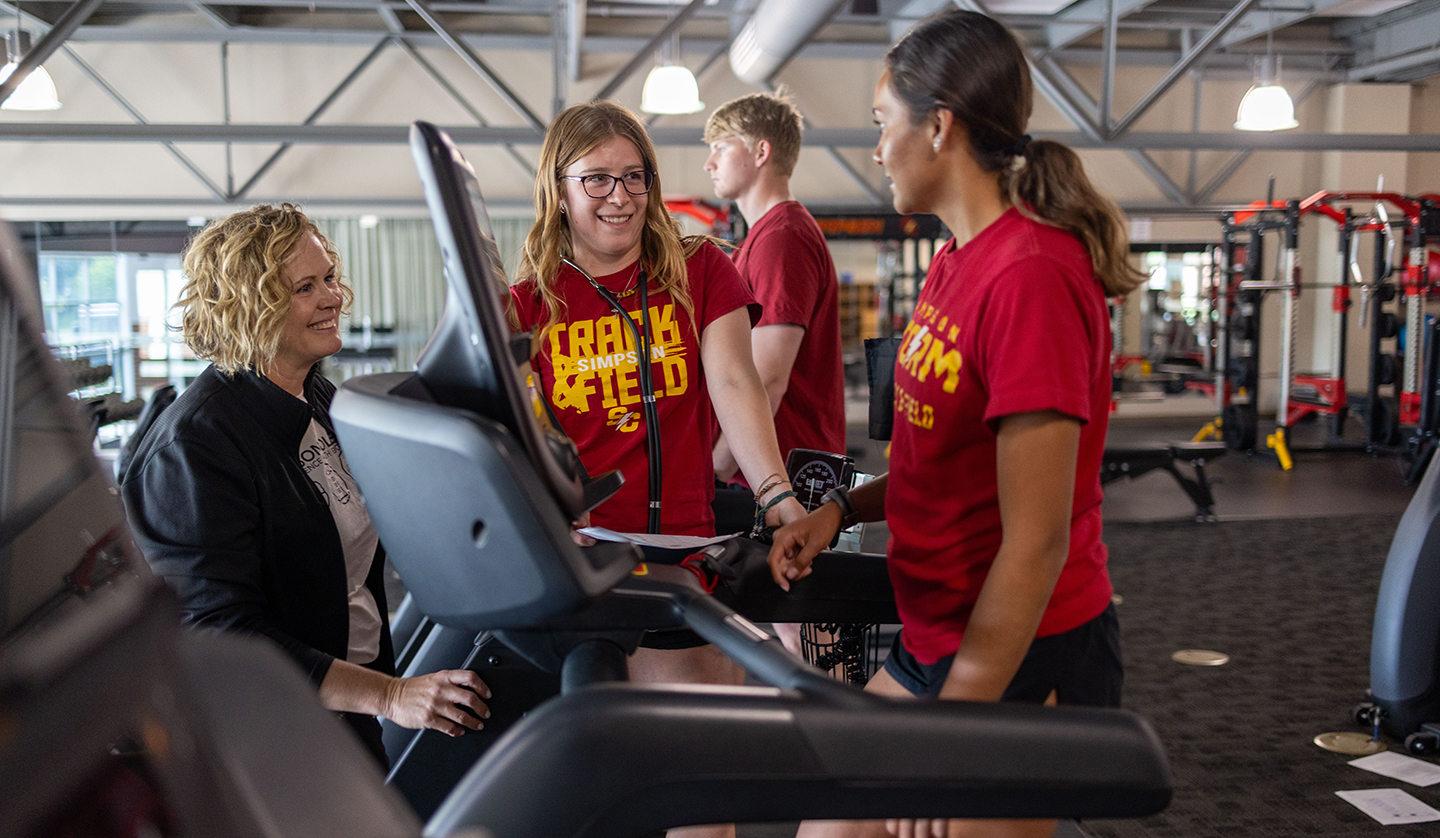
667, 542
1400, 767
1389, 806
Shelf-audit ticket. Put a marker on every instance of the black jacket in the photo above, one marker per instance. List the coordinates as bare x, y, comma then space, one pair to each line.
222, 509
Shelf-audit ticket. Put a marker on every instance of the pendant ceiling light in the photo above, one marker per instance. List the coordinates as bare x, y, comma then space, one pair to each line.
671, 88
37, 91
1267, 106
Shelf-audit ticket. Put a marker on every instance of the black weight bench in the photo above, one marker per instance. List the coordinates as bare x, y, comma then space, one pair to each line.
1135, 460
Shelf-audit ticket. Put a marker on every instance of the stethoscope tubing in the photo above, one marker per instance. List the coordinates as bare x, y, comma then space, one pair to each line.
647, 384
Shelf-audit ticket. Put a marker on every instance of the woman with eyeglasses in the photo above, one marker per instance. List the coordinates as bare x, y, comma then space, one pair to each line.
603, 243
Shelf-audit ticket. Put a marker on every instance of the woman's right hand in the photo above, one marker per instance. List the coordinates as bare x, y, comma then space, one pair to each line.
796, 545
438, 701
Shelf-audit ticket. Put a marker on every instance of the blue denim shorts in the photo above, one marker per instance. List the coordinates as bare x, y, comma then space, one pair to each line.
1082, 666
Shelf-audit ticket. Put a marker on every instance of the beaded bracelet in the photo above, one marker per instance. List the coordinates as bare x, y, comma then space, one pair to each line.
761, 510
767, 484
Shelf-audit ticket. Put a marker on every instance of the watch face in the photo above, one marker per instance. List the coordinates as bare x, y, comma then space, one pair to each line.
812, 481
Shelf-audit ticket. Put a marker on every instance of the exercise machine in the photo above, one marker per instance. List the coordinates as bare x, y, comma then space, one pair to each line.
1404, 695
474, 496
117, 723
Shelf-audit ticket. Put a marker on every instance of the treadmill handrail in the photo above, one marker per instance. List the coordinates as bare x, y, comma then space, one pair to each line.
617, 761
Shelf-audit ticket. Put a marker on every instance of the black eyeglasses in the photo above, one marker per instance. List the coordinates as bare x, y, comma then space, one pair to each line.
600, 186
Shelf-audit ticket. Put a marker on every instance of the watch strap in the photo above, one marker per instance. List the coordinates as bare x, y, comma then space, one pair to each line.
840, 496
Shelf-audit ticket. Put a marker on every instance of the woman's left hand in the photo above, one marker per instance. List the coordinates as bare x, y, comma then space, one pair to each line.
787, 511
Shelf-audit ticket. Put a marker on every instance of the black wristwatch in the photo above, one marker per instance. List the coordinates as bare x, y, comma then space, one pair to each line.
841, 498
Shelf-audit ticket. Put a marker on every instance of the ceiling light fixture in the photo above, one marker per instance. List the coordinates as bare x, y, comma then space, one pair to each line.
36, 92
1267, 106
671, 87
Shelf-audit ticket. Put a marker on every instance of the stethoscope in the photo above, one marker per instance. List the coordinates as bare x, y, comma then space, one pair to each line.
647, 384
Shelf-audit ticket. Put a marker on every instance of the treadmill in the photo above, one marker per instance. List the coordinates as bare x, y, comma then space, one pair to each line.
472, 490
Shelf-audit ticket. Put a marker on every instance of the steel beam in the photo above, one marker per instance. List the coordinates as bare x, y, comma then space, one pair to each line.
1081, 19
519, 205
1159, 177
677, 136
141, 123
315, 114
218, 20
575, 11
463, 102
68, 23
559, 68
1182, 66
450, 37
644, 53
1382, 70
27, 21
1075, 95
1277, 17
391, 20
1052, 88
1107, 75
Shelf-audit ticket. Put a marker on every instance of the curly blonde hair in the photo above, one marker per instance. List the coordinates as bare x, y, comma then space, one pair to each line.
576, 132
236, 296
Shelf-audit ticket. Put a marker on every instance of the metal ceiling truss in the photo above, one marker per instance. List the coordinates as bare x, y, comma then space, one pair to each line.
314, 115
858, 138
1401, 45
1397, 45
120, 100
1096, 120
450, 37
68, 23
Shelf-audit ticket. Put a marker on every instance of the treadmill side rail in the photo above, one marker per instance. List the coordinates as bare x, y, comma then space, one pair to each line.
618, 761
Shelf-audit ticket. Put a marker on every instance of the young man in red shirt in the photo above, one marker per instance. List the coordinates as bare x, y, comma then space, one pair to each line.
754, 144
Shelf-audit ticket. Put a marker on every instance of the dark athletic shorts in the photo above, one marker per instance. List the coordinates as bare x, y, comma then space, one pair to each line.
671, 638
1082, 666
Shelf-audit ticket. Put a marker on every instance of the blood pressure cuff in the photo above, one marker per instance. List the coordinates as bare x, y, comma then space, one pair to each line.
880, 369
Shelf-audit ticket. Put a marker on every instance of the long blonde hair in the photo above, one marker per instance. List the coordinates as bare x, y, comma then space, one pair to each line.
236, 295
973, 66
575, 133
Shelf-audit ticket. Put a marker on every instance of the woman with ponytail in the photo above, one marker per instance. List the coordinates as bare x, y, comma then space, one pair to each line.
1002, 395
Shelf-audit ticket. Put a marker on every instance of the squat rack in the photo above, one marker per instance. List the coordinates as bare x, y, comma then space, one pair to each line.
1237, 367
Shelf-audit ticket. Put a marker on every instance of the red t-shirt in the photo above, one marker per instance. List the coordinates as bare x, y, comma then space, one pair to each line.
588, 372
788, 265
1014, 321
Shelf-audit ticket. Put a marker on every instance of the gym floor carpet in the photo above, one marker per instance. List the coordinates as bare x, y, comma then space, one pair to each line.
1285, 584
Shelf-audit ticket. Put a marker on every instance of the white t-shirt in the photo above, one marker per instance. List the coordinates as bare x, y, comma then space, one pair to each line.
327, 469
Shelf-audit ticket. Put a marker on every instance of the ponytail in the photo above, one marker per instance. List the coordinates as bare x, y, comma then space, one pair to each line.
1048, 184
